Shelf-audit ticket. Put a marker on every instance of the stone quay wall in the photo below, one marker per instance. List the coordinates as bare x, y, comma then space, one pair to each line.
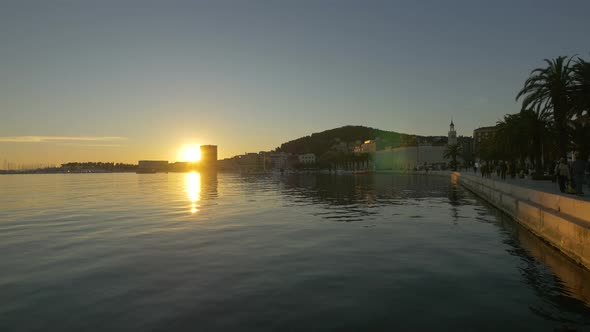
561, 221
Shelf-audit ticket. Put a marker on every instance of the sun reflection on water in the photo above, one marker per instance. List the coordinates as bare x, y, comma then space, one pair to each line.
193, 189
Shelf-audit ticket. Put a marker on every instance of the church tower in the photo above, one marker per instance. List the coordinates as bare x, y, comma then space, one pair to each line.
452, 134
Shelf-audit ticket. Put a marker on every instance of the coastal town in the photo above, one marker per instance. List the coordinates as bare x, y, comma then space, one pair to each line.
294, 166
343, 154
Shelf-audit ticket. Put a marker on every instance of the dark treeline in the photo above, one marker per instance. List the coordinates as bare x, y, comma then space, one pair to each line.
78, 167
320, 143
554, 117
334, 147
107, 166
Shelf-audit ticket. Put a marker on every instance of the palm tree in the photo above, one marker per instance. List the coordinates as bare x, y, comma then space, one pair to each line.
487, 149
580, 136
581, 88
580, 93
548, 90
537, 127
522, 136
508, 142
452, 151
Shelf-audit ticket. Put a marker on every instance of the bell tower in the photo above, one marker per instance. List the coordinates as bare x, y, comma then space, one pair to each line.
452, 134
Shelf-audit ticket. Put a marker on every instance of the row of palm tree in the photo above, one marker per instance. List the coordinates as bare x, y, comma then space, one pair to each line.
554, 116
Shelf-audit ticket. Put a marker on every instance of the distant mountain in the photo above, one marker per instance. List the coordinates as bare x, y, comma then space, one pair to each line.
320, 143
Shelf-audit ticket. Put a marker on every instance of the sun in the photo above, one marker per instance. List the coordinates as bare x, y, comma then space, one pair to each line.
190, 153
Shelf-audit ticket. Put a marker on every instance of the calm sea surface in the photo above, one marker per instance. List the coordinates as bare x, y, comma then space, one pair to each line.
224, 252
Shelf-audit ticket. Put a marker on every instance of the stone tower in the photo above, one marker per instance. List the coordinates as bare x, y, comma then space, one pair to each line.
452, 134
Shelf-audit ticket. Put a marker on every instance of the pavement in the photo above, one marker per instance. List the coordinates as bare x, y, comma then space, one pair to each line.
544, 186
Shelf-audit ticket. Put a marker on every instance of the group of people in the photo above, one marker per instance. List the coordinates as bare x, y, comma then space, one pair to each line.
502, 169
570, 178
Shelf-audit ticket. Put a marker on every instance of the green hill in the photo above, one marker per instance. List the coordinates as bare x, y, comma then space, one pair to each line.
329, 140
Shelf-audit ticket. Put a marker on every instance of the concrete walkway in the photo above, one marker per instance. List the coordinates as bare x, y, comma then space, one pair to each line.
544, 186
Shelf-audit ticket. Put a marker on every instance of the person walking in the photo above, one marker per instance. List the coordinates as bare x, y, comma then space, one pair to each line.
563, 174
512, 170
578, 168
555, 170
503, 170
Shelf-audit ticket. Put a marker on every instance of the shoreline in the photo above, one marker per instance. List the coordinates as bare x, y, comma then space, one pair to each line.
563, 222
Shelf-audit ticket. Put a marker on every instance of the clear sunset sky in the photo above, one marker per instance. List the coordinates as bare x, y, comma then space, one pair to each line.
128, 80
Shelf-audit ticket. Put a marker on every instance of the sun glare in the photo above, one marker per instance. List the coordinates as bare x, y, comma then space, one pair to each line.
191, 153
193, 189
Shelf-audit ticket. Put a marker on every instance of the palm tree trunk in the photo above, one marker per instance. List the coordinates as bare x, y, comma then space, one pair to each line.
537, 154
561, 128
562, 139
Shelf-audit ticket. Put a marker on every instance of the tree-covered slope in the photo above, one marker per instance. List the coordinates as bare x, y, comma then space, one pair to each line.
320, 143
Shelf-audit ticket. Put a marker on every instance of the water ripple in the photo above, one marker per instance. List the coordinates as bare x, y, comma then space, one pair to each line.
208, 251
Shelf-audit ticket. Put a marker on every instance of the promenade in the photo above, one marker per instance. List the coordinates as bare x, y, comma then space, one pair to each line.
544, 186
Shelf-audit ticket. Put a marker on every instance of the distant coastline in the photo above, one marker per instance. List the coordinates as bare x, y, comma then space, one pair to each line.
78, 167
59, 171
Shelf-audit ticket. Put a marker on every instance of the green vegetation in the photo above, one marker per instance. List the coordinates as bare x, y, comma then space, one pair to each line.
452, 151
339, 139
334, 147
553, 120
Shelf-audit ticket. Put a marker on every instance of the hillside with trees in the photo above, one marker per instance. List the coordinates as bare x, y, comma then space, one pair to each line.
320, 143
334, 147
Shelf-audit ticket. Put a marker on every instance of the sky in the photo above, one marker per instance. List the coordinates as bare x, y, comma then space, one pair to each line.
128, 80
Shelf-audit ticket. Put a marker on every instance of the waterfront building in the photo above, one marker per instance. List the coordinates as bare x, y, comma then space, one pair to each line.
228, 164
307, 158
279, 160
247, 162
430, 152
452, 134
264, 160
369, 146
480, 134
466, 144
408, 157
208, 155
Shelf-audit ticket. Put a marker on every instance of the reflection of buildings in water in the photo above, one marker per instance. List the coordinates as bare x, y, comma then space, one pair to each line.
208, 185
456, 197
200, 187
345, 198
332, 189
366, 189
564, 281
